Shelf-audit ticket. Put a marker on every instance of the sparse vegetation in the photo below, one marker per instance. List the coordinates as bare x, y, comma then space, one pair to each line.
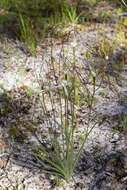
76, 58
121, 125
60, 100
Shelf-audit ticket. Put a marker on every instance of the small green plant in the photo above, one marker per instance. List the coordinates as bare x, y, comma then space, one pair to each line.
70, 15
120, 38
26, 34
5, 105
122, 123
105, 49
59, 100
108, 60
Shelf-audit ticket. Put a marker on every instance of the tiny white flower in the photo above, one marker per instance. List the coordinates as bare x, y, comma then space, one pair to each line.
107, 57
121, 45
